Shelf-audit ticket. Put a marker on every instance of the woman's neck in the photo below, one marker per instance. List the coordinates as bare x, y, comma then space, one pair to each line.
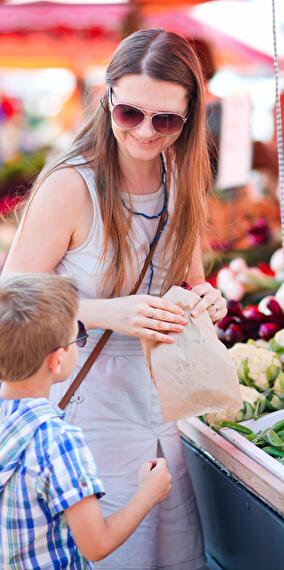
141, 177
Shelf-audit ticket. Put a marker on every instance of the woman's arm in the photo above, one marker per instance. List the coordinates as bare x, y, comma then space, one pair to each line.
196, 271
143, 316
59, 218
212, 299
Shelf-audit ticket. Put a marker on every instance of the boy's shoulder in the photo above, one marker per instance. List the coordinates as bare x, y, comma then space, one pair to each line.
37, 428
28, 412
21, 420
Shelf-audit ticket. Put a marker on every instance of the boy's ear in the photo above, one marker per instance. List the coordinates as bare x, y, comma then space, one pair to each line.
54, 360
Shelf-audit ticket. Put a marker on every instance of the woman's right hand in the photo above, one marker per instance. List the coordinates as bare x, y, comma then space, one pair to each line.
144, 316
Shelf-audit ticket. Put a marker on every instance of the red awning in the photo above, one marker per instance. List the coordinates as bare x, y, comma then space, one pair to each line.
53, 16
76, 36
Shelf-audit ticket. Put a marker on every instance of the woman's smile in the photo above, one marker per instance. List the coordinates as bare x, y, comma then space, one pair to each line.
144, 141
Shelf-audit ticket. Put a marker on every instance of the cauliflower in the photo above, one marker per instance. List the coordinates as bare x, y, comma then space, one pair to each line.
276, 344
275, 400
279, 337
252, 400
261, 343
256, 366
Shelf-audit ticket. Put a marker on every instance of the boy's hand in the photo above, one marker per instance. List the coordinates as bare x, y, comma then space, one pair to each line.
154, 479
97, 537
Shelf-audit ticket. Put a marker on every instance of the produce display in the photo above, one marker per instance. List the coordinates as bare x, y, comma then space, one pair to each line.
241, 324
253, 405
270, 440
254, 336
237, 279
256, 366
260, 370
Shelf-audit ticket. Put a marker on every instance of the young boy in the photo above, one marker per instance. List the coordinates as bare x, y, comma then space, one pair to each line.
49, 484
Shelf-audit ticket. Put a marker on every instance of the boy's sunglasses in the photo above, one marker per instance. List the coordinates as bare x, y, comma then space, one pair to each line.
129, 117
80, 339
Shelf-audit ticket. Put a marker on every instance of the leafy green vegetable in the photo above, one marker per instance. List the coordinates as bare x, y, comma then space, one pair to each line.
273, 439
237, 427
272, 373
273, 451
243, 373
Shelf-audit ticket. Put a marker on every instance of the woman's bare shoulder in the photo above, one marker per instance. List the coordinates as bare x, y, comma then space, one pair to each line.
55, 219
64, 184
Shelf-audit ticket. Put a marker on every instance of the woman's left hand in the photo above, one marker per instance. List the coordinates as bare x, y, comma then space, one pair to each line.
212, 300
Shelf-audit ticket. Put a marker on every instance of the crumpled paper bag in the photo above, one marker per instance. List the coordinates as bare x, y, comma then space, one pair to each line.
195, 375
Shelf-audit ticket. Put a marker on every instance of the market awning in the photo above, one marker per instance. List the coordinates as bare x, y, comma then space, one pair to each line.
69, 51
60, 17
76, 36
48, 34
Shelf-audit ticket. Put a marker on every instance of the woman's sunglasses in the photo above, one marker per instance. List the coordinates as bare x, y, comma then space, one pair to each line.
130, 117
80, 339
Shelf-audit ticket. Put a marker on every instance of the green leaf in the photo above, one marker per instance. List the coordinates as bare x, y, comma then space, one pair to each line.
272, 373
248, 411
275, 347
237, 427
257, 409
274, 402
281, 382
274, 439
278, 427
243, 373
273, 451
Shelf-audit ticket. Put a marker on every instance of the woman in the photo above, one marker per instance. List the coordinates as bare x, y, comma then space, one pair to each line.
93, 216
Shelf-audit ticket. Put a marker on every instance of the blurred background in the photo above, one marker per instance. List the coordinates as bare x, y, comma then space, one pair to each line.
53, 57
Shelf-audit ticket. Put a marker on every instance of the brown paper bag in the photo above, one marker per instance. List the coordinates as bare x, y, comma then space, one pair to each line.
195, 375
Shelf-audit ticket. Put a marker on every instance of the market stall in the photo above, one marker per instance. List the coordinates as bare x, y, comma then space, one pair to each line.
241, 504
240, 490
236, 457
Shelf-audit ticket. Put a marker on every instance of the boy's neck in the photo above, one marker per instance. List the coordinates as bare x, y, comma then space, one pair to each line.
36, 386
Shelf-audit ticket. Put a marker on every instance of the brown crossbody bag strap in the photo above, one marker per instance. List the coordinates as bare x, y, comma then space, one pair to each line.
104, 338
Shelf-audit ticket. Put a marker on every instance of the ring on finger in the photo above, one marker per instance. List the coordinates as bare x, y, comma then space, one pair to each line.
154, 315
215, 306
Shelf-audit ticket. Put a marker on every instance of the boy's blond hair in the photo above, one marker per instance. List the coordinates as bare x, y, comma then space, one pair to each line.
37, 313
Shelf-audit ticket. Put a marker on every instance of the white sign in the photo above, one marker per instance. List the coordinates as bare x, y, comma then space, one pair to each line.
235, 148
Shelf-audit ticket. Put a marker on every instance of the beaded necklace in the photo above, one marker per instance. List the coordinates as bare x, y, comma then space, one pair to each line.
156, 216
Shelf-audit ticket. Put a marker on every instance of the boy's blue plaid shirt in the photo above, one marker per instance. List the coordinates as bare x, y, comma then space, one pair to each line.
45, 467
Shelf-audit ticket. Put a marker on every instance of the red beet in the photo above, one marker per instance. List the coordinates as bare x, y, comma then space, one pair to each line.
235, 308
253, 314
275, 308
250, 329
224, 323
267, 330
233, 333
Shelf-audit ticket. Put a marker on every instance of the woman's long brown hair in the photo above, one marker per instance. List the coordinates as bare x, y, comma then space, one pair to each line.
163, 56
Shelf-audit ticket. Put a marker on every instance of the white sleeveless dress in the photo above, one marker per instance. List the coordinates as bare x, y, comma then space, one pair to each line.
118, 408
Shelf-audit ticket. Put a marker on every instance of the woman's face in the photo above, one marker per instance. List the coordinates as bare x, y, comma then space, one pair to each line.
153, 96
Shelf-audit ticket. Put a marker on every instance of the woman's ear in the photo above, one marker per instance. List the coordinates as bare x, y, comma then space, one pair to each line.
54, 361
